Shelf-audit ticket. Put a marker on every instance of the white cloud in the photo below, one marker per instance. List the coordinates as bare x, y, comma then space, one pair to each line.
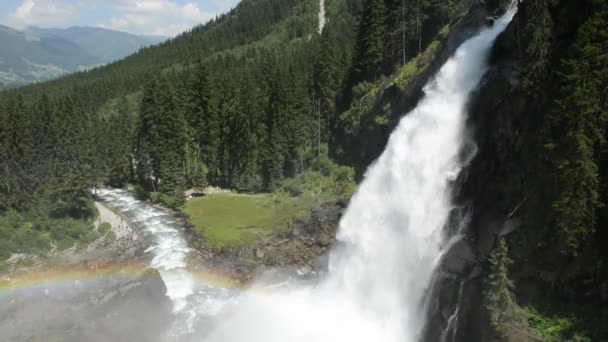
156, 17
41, 13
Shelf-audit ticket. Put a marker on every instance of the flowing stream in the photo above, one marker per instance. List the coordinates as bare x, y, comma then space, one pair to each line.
322, 16
169, 251
390, 240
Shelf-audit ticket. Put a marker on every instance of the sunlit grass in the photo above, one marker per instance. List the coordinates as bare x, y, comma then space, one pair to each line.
234, 219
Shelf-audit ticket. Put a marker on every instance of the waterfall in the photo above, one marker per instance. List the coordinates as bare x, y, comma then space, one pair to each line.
322, 17
451, 329
391, 236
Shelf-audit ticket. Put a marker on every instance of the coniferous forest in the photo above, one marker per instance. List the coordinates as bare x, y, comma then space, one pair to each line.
220, 105
257, 97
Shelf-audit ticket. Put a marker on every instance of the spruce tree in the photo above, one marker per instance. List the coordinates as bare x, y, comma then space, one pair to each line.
369, 50
202, 116
499, 300
325, 87
579, 118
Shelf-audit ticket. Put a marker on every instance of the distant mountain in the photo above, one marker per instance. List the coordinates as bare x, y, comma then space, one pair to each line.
26, 57
38, 54
107, 45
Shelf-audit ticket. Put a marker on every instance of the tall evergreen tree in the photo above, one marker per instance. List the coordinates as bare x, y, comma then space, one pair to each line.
369, 50
499, 299
202, 116
325, 87
579, 119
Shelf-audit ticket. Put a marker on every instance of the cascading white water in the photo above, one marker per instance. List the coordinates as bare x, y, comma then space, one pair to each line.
322, 18
391, 236
169, 251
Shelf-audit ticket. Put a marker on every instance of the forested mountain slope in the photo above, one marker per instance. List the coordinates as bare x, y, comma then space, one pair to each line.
107, 45
243, 102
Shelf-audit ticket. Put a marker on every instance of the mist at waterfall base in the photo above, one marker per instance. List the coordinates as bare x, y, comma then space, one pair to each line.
391, 236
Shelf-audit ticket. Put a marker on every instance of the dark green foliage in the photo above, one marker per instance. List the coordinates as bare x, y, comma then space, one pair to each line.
29, 234
571, 117
120, 127
202, 115
17, 235
326, 82
578, 118
538, 29
161, 139
369, 50
325, 180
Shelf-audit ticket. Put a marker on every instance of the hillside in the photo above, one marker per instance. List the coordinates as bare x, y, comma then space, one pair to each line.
245, 33
37, 54
26, 57
107, 45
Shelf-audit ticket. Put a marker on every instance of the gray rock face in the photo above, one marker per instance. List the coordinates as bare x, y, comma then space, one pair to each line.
112, 309
459, 257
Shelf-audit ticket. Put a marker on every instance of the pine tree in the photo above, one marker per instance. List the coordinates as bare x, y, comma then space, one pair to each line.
120, 132
161, 138
369, 50
579, 118
540, 28
249, 151
499, 300
148, 136
202, 116
325, 87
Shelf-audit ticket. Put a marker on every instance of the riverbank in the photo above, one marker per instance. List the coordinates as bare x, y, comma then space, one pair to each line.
301, 248
125, 245
102, 292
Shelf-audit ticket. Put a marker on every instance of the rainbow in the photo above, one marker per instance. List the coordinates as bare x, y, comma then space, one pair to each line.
70, 275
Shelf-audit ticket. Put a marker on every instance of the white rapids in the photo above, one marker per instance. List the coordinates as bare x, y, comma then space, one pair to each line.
169, 252
322, 16
390, 241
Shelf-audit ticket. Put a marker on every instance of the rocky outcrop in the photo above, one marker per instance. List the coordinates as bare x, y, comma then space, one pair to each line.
117, 308
301, 250
400, 93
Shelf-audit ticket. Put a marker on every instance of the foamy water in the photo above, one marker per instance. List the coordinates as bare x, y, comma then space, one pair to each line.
169, 252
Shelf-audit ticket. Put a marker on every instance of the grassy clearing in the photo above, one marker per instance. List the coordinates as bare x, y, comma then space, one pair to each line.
234, 219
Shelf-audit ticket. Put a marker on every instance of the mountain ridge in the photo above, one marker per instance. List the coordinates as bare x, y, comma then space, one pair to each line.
106, 44
35, 54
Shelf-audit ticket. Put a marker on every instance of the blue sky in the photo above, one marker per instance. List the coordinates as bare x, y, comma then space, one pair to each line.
151, 17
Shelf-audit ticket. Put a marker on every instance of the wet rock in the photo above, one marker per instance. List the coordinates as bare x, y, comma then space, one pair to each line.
459, 257
114, 309
259, 253
324, 239
510, 226
296, 231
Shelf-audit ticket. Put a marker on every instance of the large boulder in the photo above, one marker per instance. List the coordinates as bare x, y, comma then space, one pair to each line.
118, 308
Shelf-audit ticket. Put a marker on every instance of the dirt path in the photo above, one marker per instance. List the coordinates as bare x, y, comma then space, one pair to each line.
120, 226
